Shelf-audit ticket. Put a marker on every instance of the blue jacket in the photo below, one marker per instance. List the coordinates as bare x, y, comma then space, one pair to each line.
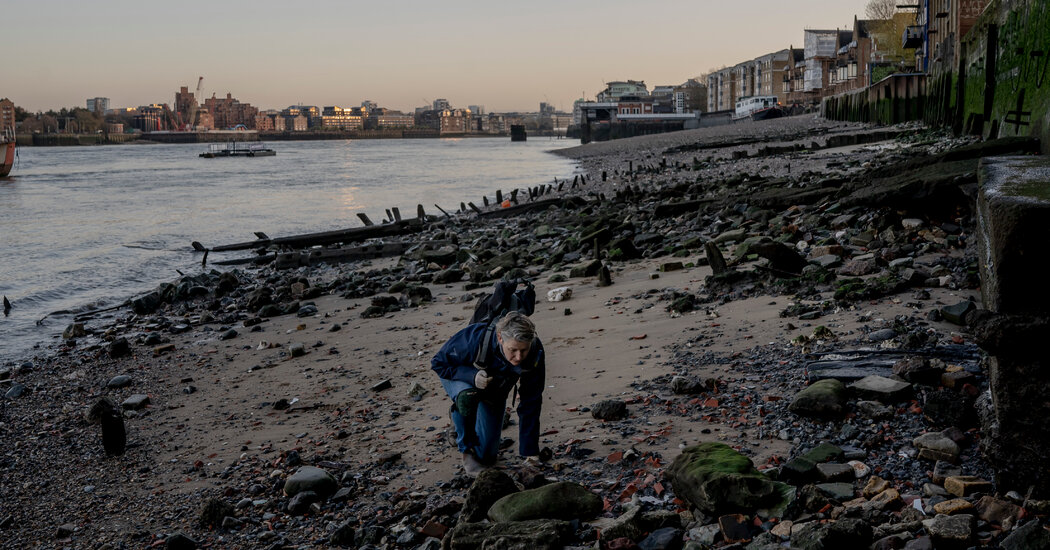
455, 361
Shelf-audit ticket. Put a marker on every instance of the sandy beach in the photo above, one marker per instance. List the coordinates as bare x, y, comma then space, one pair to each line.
211, 428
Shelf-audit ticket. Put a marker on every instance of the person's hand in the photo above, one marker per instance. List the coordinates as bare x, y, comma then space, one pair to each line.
532, 461
482, 379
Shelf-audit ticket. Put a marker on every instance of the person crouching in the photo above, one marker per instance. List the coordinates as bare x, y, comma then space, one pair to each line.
479, 383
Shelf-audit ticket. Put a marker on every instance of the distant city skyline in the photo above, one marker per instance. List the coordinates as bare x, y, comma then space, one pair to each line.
400, 54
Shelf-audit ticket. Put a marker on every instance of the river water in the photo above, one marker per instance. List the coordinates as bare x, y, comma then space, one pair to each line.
83, 228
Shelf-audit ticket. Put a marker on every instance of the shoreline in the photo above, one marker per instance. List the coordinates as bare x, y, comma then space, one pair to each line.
76, 140
211, 428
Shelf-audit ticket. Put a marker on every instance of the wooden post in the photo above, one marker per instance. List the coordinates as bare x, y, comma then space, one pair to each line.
473, 207
420, 213
364, 219
485, 200
397, 214
389, 216
441, 209
499, 196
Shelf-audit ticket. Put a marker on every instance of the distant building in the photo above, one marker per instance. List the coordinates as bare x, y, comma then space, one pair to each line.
185, 102
477, 110
441, 104
546, 108
369, 106
228, 112
98, 105
264, 122
447, 121
311, 113
623, 88
7, 116
689, 97
295, 123
820, 47
722, 90
343, 119
150, 118
937, 30
384, 119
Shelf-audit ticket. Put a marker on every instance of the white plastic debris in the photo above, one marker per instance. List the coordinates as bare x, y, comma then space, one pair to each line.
559, 294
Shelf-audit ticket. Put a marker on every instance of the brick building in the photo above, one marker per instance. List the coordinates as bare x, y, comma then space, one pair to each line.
227, 112
7, 116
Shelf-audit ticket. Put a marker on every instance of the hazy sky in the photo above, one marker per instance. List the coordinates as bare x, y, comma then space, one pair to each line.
401, 54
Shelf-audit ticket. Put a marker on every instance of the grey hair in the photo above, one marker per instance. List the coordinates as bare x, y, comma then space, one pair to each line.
516, 326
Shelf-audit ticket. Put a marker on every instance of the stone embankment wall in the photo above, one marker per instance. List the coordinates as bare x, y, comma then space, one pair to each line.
1012, 208
896, 98
1000, 87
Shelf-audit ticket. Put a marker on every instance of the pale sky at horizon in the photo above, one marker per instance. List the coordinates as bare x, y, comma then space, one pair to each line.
401, 54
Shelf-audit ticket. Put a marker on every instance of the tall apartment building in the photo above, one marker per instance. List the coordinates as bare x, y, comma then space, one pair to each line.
227, 112
441, 104
185, 101
7, 116
98, 105
722, 90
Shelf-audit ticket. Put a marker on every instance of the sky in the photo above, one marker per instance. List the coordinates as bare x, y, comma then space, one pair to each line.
401, 54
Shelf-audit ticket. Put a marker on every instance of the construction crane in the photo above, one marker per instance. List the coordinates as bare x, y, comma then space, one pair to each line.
191, 115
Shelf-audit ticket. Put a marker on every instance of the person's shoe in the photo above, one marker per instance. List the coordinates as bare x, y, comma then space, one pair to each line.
471, 465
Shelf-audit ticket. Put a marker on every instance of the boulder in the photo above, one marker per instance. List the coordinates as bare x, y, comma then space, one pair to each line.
783, 259
936, 446
880, 388
1030, 536
686, 385
310, 478
447, 276
563, 500
667, 538
822, 399
609, 409
628, 526
717, 479
588, 269
490, 486
951, 531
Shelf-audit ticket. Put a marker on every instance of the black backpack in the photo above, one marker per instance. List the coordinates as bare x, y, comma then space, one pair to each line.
505, 298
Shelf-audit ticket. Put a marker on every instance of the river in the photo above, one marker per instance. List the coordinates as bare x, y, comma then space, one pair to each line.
88, 227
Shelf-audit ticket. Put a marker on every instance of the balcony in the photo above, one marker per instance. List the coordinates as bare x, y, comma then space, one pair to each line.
912, 38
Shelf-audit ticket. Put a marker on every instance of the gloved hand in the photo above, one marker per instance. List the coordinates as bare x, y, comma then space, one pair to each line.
532, 461
482, 379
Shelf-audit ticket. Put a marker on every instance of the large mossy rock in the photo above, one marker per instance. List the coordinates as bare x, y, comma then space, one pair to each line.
490, 486
823, 398
718, 480
541, 534
564, 500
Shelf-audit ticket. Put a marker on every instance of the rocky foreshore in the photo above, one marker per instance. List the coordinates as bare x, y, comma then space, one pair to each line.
757, 338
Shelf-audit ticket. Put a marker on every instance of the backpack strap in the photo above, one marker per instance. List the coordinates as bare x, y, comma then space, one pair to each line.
484, 349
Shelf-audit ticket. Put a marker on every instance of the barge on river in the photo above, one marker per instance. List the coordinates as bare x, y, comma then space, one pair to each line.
235, 149
758, 108
7, 153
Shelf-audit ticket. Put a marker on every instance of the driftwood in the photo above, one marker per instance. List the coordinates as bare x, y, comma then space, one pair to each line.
567, 202
353, 234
